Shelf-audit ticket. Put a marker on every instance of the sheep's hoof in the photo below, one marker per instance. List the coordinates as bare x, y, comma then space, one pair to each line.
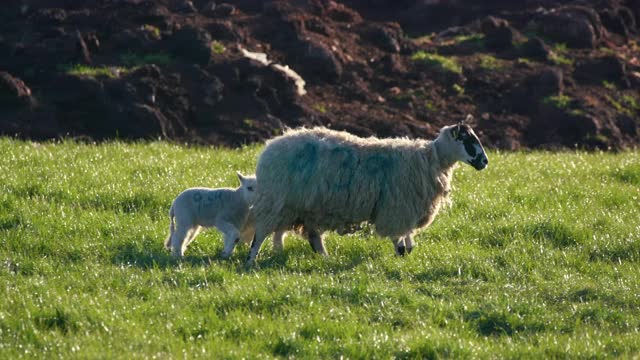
225, 256
409, 250
400, 250
249, 263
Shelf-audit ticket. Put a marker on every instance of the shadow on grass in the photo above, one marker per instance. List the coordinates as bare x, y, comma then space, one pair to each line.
297, 257
155, 258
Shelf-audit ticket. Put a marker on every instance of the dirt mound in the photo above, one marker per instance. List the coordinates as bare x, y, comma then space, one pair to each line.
535, 75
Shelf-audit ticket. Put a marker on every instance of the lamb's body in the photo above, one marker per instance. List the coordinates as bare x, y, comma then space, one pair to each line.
225, 208
330, 180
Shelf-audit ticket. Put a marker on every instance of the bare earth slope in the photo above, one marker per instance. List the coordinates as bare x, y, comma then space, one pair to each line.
542, 74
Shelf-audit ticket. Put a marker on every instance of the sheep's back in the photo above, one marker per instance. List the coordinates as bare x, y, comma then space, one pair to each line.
332, 179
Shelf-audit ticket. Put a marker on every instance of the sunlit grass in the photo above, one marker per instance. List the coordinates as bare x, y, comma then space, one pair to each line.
538, 258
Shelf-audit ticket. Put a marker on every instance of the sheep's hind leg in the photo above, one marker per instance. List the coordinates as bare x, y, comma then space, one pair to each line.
316, 241
278, 240
178, 241
258, 239
399, 245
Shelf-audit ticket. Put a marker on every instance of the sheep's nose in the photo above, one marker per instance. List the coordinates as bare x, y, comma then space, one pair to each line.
485, 161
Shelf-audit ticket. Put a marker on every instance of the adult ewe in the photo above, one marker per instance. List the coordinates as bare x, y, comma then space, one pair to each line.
328, 180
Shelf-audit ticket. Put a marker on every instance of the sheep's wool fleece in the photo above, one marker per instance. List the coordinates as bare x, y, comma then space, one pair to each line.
331, 180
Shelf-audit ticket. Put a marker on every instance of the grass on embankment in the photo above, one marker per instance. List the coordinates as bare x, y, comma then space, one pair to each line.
538, 257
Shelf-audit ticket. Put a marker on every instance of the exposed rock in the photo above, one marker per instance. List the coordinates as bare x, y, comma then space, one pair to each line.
144, 121
224, 30
218, 10
577, 26
13, 92
191, 43
339, 12
319, 61
524, 98
385, 37
535, 48
606, 68
499, 35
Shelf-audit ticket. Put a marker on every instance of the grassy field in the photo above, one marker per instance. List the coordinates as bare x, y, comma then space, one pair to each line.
539, 256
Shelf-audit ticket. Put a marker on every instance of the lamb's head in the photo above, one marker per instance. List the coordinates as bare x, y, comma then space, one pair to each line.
464, 144
247, 188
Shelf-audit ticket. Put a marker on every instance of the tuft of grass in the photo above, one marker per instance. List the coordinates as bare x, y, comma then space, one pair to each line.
536, 258
558, 101
439, 62
429, 106
93, 71
609, 85
488, 62
217, 47
154, 30
475, 38
559, 56
458, 89
321, 108
627, 105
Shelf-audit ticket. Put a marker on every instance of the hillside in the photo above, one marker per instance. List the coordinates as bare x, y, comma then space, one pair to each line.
536, 74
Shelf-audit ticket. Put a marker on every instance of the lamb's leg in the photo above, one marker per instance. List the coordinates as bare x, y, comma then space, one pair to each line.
278, 240
408, 241
315, 240
231, 237
178, 240
399, 245
192, 235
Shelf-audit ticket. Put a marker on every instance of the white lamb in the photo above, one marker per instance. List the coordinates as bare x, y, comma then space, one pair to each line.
329, 180
225, 208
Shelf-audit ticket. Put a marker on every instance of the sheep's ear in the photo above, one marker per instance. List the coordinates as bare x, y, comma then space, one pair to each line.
240, 176
455, 131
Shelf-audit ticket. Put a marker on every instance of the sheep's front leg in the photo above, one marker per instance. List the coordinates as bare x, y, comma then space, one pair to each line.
231, 237
399, 245
408, 242
192, 235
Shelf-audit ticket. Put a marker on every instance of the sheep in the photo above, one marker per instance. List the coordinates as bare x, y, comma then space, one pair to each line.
329, 180
225, 208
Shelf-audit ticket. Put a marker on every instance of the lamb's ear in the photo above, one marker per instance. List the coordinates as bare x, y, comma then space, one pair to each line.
468, 119
240, 177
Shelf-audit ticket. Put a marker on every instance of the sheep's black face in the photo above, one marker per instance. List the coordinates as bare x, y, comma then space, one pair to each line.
475, 155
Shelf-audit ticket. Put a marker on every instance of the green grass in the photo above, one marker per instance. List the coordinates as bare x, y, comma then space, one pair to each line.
93, 71
488, 62
439, 62
559, 53
217, 47
537, 258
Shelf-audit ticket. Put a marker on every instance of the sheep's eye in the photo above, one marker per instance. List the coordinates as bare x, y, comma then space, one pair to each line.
250, 188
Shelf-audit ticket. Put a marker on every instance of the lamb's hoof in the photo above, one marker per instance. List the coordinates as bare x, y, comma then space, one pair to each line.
400, 250
225, 256
409, 250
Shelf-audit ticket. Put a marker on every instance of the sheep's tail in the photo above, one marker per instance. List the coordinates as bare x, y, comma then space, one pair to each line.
172, 228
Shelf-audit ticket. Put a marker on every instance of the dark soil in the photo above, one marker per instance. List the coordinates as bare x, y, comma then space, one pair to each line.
535, 73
